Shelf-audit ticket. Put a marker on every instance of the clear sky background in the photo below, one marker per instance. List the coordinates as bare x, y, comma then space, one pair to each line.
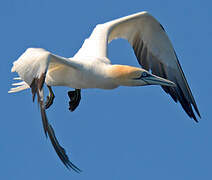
126, 133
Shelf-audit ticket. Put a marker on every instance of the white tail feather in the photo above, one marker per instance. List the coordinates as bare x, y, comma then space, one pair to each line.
19, 83
20, 86
17, 78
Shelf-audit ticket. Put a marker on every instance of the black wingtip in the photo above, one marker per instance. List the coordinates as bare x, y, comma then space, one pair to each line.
37, 87
197, 110
195, 119
178, 95
61, 151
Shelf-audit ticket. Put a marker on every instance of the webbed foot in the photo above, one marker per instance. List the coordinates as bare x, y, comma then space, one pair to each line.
75, 97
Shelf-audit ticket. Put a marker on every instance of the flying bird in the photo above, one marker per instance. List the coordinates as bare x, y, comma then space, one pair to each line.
91, 68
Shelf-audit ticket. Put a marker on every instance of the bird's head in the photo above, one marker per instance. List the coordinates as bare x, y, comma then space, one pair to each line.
132, 76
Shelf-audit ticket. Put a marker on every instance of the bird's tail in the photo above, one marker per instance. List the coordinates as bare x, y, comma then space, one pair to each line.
19, 86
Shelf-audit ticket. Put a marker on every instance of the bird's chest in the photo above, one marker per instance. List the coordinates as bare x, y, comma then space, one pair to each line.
89, 77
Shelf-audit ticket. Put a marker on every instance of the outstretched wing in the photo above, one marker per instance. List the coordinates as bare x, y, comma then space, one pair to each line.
152, 48
32, 67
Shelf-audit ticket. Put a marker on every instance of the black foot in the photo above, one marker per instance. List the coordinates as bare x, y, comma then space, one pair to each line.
49, 98
75, 97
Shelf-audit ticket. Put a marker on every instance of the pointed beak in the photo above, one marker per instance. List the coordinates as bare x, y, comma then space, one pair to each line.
156, 80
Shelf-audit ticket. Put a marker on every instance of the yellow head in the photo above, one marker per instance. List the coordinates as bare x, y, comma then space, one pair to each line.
132, 76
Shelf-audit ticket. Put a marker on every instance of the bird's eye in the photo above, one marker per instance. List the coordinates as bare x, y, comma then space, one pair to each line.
144, 74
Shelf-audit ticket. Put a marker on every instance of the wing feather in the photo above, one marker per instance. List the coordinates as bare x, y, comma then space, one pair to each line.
32, 67
152, 48
49, 131
37, 88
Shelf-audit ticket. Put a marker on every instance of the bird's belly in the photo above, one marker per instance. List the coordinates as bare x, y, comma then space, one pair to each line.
63, 76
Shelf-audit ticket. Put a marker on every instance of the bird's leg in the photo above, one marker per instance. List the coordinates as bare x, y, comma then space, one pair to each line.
50, 98
75, 97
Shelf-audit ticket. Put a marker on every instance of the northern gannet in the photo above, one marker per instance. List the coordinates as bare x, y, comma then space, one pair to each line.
91, 68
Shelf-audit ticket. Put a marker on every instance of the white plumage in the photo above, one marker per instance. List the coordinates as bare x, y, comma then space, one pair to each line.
90, 67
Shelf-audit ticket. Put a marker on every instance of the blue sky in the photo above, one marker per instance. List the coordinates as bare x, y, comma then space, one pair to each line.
127, 133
